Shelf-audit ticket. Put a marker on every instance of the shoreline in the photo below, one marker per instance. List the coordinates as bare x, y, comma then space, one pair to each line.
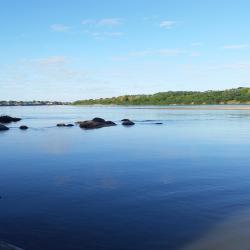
215, 107
156, 107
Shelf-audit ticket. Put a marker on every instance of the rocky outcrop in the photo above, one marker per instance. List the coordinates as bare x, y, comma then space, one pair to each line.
64, 125
127, 122
9, 119
95, 123
3, 128
23, 127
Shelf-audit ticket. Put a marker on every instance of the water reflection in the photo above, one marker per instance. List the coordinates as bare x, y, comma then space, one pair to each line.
231, 234
173, 186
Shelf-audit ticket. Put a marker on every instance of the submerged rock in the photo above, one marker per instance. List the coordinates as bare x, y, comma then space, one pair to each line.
69, 125
23, 127
127, 122
95, 123
3, 128
9, 119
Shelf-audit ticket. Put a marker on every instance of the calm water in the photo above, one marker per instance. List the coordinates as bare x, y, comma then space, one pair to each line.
184, 184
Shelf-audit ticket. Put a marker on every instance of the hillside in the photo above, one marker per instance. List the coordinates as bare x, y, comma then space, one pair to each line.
230, 96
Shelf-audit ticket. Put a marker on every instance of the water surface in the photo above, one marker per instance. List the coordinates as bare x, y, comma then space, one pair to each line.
152, 187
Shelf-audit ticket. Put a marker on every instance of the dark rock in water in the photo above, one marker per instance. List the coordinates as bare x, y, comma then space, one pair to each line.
9, 119
97, 119
6, 246
110, 123
95, 123
61, 125
23, 127
3, 128
127, 122
158, 123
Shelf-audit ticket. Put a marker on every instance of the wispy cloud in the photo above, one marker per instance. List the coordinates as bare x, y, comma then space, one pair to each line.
59, 28
103, 28
163, 52
236, 46
52, 60
88, 21
166, 52
170, 52
167, 24
194, 54
238, 66
108, 22
102, 35
113, 33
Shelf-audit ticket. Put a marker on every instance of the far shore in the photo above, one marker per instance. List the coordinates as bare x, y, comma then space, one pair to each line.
201, 107
159, 107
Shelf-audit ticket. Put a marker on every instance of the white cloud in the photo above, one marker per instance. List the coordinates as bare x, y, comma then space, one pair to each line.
141, 53
236, 46
52, 60
163, 52
108, 22
88, 21
195, 54
238, 66
170, 52
113, 33
102, 35
59, 27
167, 24
52, 78
102, 28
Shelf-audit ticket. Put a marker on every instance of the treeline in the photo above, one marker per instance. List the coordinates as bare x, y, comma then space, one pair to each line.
31, 103
230, 96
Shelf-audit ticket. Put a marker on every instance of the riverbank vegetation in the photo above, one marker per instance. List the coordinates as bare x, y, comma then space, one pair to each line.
230, 96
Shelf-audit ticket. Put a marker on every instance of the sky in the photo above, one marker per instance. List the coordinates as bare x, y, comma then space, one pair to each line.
68, 50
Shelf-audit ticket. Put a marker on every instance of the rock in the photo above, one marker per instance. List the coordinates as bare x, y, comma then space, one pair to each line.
9, 119
95, 123
23, 127
97, 119
110, 123
158, 123
127, 122
61, 125
3, 128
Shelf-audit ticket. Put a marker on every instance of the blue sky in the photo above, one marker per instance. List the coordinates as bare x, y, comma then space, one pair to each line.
69, 50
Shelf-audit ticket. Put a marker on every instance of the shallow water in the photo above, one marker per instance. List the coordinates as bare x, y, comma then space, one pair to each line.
178, 185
